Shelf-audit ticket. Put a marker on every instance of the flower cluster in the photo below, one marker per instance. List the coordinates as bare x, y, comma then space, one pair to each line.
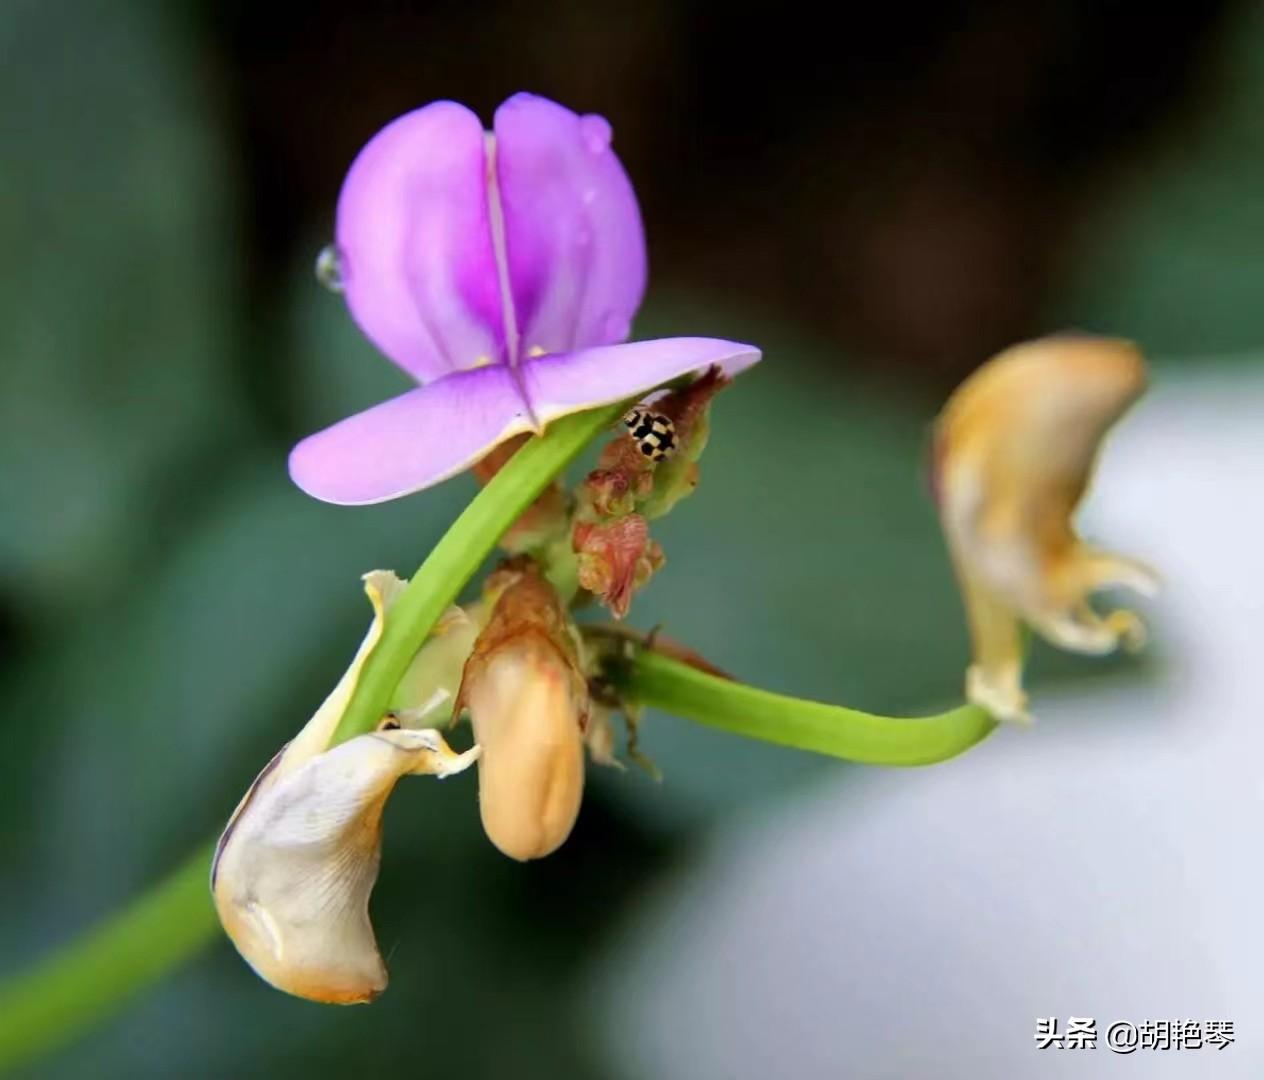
502, 271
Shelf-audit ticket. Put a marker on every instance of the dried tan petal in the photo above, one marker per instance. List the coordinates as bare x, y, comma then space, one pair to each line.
1015, 449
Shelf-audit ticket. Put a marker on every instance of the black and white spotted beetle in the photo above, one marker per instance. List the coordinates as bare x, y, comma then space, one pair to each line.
653, 433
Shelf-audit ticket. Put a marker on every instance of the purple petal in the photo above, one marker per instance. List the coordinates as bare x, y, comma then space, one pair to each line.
573, 236
568, 382
412, 441
415, 243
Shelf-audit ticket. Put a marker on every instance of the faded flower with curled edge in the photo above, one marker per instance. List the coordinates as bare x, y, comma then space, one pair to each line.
293, 871
1015, 448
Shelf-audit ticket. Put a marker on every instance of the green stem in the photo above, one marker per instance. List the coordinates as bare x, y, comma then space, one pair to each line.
86, 980
653, 679
458, 556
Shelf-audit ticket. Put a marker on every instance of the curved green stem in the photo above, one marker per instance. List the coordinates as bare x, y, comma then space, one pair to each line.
84, 981
458, 555
653, 679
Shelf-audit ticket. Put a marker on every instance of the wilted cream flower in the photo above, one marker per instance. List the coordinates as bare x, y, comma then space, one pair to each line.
528, 704
294, 869
1015, 448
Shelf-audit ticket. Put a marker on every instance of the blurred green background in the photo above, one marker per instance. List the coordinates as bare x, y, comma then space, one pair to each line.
879, 209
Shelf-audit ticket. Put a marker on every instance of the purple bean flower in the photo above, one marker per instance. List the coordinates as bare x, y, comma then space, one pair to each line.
502, 272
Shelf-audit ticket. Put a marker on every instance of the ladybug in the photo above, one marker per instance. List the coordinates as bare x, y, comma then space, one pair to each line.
653, 433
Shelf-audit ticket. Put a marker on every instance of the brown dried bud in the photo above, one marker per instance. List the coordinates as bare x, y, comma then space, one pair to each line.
609, 493
615, 559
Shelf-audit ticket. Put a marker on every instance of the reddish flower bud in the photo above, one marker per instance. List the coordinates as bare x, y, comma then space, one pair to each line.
615, 559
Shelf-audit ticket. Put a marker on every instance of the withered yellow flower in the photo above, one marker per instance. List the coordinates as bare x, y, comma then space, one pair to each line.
295, 866
528, 704
1015, 448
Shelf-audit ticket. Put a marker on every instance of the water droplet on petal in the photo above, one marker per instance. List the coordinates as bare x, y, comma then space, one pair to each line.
615, 327
329, 268
596, 132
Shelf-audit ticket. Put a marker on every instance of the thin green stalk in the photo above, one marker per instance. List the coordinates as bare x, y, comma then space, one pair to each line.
653, 679
458, 555
83, 982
